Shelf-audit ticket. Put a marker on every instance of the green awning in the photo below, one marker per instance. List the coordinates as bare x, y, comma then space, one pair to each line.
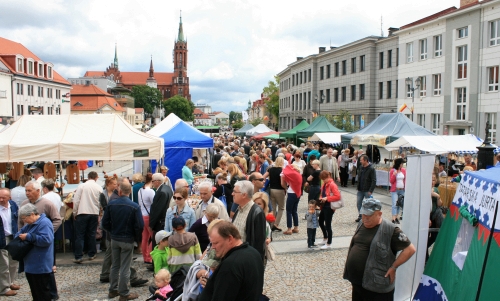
319, 125
293, 132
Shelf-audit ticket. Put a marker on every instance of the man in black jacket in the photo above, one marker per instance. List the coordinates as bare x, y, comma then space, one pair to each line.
215, 159
240, 274
249, 219
160, 205
367, 180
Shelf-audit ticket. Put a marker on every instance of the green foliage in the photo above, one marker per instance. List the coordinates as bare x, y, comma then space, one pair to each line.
180, 106
237, 124
146, 97
273, 92
256, 121
342, 121
234, 116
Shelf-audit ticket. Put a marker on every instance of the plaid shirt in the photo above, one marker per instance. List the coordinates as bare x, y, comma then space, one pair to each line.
240, 222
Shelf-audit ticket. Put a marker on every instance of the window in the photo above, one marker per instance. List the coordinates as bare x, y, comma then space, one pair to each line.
436, 84
438, 45
49, 72
309, 75
30, 67
321, 72
389, 58
300, 77
321, 95
423, 86
40, 91
19, 89
362, 63
309, 100
293, 102
492, 132
344, 93
20, 110
495, 33
408, 91
344, 67
361, 91
397, 88
435, 119
421, 120
381, 60
30, 90
40, 70
293, 80
389, 89
328, 95
423, 49
462, 62
353, 92
409, 52
380, 90
328, 71
336, 94
49, 92
336, 69
300, 102
493, 79
397, 56
461, 103
353, 65
20, 67
58, 94
463, 32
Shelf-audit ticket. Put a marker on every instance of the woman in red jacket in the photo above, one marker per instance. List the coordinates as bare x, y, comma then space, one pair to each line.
329, 193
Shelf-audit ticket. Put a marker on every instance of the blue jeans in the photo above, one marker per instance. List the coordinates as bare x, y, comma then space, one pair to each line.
311, 236
314, 191
86, 227
394, 196
119, 276
292, 203
361, 196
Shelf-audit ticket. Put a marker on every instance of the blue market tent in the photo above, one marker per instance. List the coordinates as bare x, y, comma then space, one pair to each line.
180, 140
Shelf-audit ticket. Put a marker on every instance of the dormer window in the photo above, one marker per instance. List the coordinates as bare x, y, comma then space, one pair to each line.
31, 67
78, 104
20, 64
40, 69
49, 71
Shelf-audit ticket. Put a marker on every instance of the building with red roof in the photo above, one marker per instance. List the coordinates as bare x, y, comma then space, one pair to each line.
201, 118
35, 87
169, 83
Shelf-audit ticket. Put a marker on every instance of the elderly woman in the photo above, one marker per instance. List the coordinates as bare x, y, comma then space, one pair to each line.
329, 193
291, 181
344, 167
138, 180
180, 209
201, 225
164, 171
38, 263
18, 194
276, 191
145, 197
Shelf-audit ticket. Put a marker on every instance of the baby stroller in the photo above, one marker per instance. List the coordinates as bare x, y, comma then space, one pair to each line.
177, 284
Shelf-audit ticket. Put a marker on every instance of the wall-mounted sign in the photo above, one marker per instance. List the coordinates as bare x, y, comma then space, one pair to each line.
141, 153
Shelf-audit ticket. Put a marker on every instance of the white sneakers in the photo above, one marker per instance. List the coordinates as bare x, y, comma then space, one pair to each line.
323, 242
326, 247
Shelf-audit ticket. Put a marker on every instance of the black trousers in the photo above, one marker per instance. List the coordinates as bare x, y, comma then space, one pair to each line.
361, 294
39, 286
311, 236
344, 176
325, 222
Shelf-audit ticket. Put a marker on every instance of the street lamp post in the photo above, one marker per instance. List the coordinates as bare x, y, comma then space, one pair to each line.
412, 86
319, 102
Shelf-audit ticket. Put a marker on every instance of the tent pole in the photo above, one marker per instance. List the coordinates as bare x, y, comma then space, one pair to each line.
478, 294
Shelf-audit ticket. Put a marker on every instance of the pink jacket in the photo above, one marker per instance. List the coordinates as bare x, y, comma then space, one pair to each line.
392, 178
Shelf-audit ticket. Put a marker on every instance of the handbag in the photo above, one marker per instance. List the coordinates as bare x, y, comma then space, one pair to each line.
222, 198
18, 249
401, 201
337, 205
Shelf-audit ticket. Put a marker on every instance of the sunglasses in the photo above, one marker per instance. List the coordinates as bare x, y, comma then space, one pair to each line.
178, 198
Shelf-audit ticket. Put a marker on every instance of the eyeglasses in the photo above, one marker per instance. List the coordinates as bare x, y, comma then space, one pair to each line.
235, 192
178, 198
261, 179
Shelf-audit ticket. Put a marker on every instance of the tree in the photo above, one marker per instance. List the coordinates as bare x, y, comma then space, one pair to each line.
234, 116
256, 121
180, 106
237, 124
272, 91
146, 97
342, 121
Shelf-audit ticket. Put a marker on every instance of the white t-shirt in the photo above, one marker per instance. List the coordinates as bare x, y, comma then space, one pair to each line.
54, 198
400, 177
145, 198
300, 164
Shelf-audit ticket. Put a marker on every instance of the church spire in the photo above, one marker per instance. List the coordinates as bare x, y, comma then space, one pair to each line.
151, 69
115, 62
180, 36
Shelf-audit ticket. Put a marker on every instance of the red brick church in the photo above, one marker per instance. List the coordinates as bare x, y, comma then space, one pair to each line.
169, 83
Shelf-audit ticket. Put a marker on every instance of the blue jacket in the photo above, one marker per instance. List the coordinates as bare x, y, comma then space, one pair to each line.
187, 213
13, 220
123, 219
41, 258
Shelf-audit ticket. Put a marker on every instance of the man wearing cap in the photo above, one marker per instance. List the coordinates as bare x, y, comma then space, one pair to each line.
367, 180
371, 260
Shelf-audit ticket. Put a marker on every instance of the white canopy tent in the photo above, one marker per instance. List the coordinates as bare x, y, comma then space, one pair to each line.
462, 144
76, 137
260, 129
328, 138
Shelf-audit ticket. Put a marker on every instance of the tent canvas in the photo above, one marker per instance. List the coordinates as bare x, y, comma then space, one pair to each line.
391, 125
462, 144
293, 132
180, 140
76, 137
259, 129
263, 135
328, 138
464, 261
319, 125
243, 130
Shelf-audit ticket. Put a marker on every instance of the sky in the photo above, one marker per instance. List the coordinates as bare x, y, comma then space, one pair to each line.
235, 47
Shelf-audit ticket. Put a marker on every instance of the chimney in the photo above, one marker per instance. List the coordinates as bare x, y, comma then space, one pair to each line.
467, 2
299, 58
392, 30
333, 47
322, 49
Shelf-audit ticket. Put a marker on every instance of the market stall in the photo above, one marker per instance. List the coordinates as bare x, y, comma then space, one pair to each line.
242, 132
259, 129
319, 125
292, 134
264, 135
327, 138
